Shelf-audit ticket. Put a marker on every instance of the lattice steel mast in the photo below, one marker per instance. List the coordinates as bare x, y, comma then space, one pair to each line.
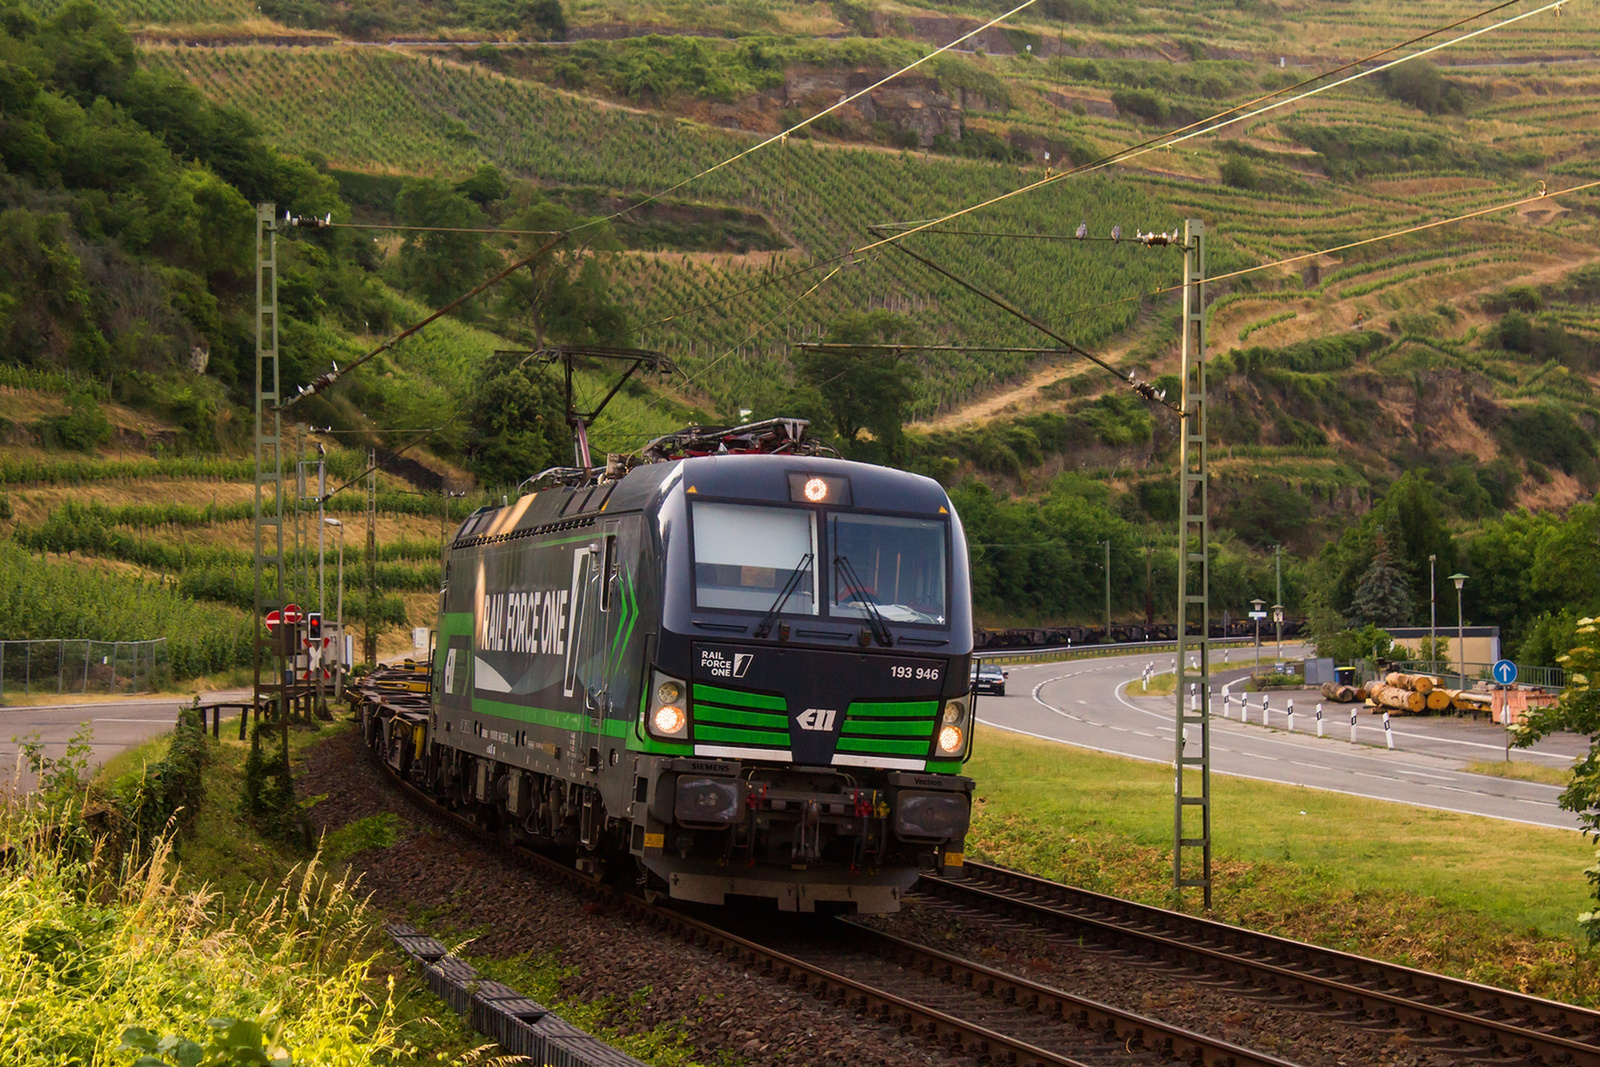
1194, 583
267, 540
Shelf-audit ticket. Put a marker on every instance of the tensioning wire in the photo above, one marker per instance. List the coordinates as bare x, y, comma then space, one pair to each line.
1196, 129
803, 123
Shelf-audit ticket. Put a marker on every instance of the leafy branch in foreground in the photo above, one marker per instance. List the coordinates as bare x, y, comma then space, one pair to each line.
1578, 711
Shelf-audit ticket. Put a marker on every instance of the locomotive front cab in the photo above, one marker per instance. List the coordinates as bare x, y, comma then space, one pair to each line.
809, 708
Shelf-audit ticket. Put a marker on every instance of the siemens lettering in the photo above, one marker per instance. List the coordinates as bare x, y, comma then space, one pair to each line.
533, 621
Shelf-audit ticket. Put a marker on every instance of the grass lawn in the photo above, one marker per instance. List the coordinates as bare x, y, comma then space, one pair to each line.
1160, 685
1485, 898
1523, 770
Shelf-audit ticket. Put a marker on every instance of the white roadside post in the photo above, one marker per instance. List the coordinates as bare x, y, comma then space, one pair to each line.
1266, 709
1388, 734
1227, 705
1319, 718
1352, 725
1291, 716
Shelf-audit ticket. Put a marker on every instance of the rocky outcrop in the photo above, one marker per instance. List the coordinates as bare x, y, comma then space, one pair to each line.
913, 103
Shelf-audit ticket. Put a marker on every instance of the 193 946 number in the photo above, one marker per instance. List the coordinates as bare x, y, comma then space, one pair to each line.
921, 674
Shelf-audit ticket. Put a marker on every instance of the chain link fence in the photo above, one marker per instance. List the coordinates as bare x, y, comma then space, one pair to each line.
66, 665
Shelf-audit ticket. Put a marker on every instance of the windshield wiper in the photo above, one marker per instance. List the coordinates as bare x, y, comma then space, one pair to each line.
783, 596
880, 629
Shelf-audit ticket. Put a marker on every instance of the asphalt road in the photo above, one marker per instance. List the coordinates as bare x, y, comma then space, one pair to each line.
1084, 703
114, 726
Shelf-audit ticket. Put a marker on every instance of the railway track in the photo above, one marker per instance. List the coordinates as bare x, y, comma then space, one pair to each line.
1450, 1015
963, 1006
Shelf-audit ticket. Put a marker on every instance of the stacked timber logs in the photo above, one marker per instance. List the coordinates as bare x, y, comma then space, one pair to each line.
1416, 693
1340, 694
1417, 683
1397, 698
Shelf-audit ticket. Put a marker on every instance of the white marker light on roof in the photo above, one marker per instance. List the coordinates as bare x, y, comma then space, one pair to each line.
816, 490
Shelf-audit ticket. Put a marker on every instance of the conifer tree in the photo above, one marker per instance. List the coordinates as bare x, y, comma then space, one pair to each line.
1383, 596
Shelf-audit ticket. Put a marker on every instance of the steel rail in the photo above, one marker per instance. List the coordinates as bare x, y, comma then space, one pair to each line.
1467, 1014
1159, 1039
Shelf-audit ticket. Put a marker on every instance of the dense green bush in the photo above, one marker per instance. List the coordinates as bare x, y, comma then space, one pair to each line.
1420, 84
1548, 434
1240, 173
1142, 102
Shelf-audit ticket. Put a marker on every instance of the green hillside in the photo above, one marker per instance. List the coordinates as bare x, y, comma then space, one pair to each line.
1466, 354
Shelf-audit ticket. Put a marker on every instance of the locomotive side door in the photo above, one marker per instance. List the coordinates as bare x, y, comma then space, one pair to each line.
589, 677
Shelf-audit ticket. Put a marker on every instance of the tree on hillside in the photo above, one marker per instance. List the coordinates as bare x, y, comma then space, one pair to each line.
439, 266
564, 297
863, 389
1383, 597
516, 422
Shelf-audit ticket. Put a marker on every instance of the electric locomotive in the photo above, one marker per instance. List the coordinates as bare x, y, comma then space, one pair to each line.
745, 665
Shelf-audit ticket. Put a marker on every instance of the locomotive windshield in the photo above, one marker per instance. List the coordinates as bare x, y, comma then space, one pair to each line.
745, 556
895, 565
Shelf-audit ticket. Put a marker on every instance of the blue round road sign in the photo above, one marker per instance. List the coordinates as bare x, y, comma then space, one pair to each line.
1504, 671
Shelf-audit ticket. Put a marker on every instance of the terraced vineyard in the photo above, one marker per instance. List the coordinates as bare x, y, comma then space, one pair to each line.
386, 111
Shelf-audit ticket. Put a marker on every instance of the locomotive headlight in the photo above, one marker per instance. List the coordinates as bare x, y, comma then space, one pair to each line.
954, 712
669, 719
816, 490
950, 738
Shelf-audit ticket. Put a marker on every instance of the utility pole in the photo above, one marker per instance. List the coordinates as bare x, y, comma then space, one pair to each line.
1108, 591
1194, 577
338, 678
1149, 594
322, 604
1277, 605
267, 535
371, 636
1433, 609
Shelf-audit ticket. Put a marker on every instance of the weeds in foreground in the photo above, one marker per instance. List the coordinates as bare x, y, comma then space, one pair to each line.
92, 941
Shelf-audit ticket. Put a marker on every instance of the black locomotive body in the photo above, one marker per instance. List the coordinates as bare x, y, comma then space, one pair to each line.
748, 672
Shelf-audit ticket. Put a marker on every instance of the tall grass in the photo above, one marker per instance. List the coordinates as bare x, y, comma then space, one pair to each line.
96, 948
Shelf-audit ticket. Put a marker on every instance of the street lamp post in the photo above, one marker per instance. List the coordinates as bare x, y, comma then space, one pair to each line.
1461, 627
1255, 614
338, 681
1433, 610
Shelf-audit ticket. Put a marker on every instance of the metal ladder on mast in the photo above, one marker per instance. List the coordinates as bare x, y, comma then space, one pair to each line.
1192, 753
